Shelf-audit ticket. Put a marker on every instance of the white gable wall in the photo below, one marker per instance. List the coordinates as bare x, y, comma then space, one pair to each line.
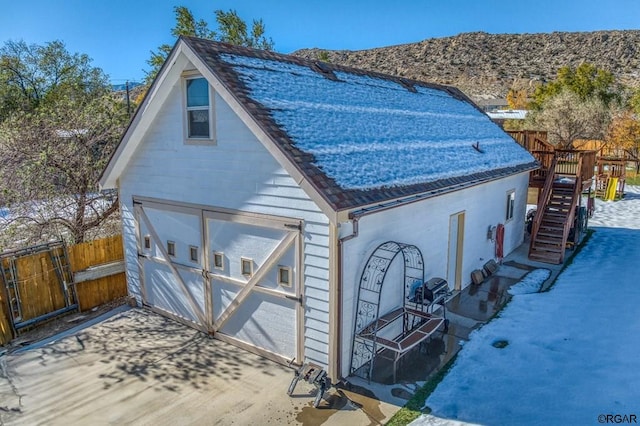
425, 224
237, 173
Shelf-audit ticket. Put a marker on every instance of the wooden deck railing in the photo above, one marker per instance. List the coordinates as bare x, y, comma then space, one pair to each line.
531, 140
542, 201
616, 153
587, 168
577, 163
567, 164
545, 158
577, 190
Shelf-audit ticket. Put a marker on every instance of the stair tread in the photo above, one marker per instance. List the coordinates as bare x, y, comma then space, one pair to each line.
561, 218
548, 240
547, 253
544, 253
550, 234
555, 226
548, 249
552, 224
555, 216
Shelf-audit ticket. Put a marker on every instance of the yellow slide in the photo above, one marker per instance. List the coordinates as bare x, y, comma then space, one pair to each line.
612, 186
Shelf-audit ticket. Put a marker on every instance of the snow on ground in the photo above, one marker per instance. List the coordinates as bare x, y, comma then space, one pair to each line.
531, 283
572, 352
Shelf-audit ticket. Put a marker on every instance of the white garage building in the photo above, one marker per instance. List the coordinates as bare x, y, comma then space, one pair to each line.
254, 186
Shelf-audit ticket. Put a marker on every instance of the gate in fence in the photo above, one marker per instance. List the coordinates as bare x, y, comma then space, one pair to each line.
37, 283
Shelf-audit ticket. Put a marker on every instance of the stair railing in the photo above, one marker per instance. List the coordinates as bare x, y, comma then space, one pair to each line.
542, 202
577, 190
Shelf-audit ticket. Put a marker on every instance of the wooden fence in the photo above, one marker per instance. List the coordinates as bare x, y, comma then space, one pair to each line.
5, 326
41, 290
98, 291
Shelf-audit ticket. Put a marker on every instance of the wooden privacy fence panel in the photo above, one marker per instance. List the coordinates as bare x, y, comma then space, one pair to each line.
41, 291
5, 324
96, 292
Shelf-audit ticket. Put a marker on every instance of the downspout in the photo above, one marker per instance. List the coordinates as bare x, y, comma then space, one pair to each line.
341, 241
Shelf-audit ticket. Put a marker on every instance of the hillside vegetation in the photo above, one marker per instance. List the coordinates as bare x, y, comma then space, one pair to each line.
485, 65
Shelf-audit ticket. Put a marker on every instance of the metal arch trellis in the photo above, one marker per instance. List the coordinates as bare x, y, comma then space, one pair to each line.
370, 290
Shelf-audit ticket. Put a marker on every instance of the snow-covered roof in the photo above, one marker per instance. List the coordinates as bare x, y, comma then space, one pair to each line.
368, 132
508, 114
360, 138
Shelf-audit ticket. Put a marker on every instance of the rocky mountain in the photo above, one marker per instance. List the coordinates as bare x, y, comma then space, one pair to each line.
485, 66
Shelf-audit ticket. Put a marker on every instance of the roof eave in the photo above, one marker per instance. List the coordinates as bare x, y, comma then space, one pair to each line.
119, 159
350, 212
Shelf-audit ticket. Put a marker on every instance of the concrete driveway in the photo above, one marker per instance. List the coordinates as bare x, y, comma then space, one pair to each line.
141, 368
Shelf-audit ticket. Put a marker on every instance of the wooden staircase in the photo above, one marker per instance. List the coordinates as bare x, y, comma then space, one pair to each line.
555, 215
550, 241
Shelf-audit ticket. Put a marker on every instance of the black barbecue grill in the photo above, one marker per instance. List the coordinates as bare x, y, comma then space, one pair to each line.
430, 296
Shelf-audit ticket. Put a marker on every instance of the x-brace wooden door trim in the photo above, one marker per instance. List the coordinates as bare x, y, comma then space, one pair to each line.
158, 242
269, 263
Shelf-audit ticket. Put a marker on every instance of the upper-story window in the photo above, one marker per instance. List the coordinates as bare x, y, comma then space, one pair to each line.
511, 204
199, 124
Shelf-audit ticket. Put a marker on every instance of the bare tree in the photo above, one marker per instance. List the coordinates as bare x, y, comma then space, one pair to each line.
59, 124
567, 117
50, 162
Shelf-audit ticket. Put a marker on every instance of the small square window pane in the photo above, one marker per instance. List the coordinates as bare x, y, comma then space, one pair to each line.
193, 253
197, 92
171, 248
199, 123
247, 267
284, 276
218, 261
147, 242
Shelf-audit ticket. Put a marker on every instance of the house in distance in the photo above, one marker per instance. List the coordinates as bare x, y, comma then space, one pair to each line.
254, 187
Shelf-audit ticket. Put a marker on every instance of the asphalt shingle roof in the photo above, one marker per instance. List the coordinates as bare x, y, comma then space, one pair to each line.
361, 137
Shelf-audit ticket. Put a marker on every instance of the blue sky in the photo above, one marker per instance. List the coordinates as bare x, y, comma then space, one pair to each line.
119, 34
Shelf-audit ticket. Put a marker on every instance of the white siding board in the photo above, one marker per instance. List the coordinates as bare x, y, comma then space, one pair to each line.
312, 249
236, 173
313, 282
311, 323
317, 294
313, 271
316, 261
319, 305
318, 354
317, 229
317, 336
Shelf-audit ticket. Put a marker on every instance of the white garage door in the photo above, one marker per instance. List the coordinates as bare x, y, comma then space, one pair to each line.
233, 274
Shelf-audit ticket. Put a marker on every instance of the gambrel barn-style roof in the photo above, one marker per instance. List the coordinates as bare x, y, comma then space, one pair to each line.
359, 137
